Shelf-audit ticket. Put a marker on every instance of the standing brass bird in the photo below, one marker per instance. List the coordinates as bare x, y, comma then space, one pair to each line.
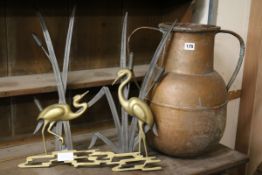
60, 112
134, 107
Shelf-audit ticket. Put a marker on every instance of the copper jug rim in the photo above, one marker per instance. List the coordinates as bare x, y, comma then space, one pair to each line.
190, 27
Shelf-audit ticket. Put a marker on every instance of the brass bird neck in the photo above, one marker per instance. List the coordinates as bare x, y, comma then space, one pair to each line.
122, 100
83, 106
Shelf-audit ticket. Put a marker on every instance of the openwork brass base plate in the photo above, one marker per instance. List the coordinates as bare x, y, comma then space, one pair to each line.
91, 158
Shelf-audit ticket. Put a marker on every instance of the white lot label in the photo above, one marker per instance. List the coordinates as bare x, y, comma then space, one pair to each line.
189, 46
66, 156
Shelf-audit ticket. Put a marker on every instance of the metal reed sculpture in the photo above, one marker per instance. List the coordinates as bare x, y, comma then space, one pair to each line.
60, 112
123, 143
60, 77
127, 138
61, 80
134, 107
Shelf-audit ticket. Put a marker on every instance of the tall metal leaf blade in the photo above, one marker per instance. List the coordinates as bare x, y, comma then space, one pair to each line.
60, 86
123, 43
97, 97
135, 143
68, 48
38, 104
112, 107
38, 126
154, 60
59, 131
104, 139
123, 64
54, 63
40, 122
125, 121
68, 135
130, 66
156, 76
66, 125
105, 91
133, 128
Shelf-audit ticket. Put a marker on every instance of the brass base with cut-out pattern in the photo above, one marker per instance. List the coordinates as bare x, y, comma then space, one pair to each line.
91, 158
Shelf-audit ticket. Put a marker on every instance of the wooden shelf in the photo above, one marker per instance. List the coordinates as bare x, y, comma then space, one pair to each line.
219, 160
42, 83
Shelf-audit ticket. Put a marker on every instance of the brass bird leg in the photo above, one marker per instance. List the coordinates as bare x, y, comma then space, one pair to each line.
43, 135
51, 132
139, 138
142, 138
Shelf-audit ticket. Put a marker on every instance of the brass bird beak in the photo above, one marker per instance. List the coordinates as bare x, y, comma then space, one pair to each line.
114, 82
84, 94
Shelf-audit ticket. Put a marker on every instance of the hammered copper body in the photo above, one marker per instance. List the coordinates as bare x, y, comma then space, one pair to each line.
190, 102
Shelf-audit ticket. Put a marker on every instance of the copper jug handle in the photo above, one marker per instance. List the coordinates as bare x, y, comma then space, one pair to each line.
138, 29
240, 59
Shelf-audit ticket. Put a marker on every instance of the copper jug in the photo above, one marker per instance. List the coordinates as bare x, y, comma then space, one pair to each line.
190, 102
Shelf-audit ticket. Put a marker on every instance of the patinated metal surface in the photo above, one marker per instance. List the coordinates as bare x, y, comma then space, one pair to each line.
190, 102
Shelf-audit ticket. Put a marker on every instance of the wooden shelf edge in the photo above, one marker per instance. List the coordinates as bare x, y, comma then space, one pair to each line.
82, 139
43, 83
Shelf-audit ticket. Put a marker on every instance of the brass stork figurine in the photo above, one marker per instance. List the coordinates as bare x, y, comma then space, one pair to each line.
60, 112
134, 107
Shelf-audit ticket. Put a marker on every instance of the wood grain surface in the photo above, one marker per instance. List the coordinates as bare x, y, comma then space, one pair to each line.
217, 160
249, 123
42, 83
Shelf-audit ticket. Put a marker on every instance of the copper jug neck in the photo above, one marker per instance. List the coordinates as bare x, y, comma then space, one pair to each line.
191, 49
